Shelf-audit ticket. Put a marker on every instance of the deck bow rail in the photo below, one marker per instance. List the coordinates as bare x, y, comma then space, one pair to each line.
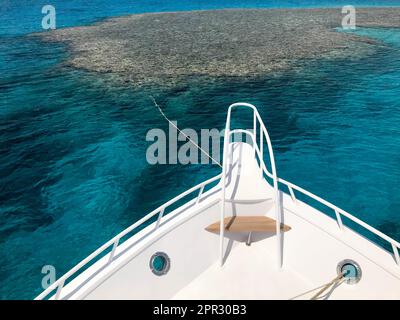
258, 148
340, 212
114, 242
259, 152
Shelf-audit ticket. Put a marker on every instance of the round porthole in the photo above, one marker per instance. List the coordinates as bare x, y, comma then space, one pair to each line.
160, 263
351, 271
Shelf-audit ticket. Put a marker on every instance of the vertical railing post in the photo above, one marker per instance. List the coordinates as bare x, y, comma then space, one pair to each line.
222, 217
278, 208
396, 254
254, 126
339, 219
255, 135
261, 150
278, 227
112, 253
292, 195
160, 215
200, 194
224, 166
59, 289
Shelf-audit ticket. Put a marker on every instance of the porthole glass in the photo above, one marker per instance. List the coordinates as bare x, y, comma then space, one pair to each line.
160, 263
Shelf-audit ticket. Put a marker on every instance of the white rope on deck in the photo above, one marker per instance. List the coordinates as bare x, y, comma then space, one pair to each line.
337, 281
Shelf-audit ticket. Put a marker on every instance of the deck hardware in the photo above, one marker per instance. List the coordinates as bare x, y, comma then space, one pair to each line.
160, 263
351, 271
248, 242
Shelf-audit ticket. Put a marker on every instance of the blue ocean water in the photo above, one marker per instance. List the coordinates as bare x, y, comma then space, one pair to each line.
22, 16
72, 143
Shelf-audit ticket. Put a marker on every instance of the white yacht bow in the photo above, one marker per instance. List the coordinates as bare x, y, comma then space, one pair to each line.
243, 234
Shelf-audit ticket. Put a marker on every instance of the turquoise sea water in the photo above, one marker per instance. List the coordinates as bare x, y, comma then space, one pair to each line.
72, 144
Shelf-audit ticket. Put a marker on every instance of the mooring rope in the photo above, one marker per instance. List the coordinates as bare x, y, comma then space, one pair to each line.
339, 279
185, 135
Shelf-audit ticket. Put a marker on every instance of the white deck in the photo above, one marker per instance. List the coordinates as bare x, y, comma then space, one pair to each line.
311, 251
245, 183
311, 254
249, 273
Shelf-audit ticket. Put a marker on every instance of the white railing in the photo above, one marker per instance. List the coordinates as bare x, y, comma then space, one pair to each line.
115, 242
258, 148
338, 211
259, 151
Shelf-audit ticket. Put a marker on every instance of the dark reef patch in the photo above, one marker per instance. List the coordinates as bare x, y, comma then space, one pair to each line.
166, 48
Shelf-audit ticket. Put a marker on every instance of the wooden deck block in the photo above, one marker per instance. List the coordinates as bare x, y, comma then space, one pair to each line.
247, 224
